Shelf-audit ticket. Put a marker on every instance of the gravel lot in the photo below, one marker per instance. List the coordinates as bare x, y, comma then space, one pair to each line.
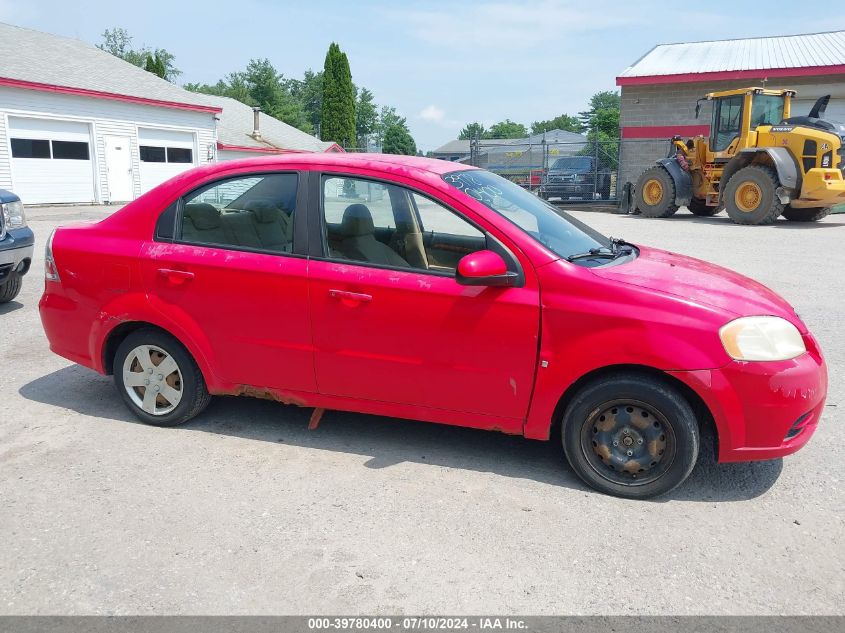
246, 511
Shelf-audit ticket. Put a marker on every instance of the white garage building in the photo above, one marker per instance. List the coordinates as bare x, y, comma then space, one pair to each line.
78, 125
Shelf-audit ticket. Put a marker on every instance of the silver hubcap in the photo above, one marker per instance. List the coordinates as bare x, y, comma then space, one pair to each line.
152, 379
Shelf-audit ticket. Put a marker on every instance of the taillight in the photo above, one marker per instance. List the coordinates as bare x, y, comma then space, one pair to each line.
51, 272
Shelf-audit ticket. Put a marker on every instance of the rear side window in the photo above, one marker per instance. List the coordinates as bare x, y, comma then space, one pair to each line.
254, 212
166, 225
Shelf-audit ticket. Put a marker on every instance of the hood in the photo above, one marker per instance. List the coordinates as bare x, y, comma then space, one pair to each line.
702, 283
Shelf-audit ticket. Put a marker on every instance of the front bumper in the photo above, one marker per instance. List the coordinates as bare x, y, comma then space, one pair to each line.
821, 188
567, 190
16, 252
763, 410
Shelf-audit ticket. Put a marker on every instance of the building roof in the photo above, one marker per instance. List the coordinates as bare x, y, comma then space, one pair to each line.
461, 146
235, 128
43, 61
760, 57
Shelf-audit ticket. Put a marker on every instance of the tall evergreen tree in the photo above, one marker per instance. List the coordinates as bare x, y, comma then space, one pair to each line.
338, 107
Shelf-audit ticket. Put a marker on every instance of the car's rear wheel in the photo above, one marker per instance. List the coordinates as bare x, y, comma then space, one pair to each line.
630, 435
158, 379
11, 288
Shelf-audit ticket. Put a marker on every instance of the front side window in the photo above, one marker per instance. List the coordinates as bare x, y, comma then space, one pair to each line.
766, 110
728, 119
387, 225
555, 229
246, 213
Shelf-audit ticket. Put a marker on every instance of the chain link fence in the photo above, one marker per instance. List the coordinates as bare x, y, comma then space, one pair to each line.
585, 171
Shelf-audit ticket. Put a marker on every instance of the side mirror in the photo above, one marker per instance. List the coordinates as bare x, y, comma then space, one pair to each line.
484, 268
697, 109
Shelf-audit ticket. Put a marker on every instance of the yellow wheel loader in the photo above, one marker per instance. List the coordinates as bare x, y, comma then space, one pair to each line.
758, 162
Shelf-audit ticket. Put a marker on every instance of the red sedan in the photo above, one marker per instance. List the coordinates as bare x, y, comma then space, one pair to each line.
423, 289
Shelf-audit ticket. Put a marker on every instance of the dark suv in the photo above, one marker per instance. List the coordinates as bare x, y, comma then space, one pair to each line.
576, 178
16, 244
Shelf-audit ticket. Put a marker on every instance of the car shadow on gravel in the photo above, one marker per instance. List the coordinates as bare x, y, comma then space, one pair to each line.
390, 441
9, 306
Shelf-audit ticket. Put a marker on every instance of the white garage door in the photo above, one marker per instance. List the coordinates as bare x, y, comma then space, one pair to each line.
164, 154
835, 108
51, 160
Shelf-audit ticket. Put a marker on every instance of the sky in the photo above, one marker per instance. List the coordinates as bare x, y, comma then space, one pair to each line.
441, 63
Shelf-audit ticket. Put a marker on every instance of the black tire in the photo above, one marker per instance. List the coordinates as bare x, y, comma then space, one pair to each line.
768, 207
11, 288
663, 207
194, 393
653, 415
811, 214
698, 207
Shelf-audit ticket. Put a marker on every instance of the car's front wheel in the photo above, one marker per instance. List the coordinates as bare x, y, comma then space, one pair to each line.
630, 435
158, 379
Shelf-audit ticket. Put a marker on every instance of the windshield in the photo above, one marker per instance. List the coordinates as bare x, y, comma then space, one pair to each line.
766, 110
557, 230
575, 163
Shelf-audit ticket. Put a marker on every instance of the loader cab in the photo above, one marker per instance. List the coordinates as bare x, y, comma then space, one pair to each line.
736, 114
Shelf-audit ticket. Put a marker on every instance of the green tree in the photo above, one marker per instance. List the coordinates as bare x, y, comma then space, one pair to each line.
261, 85
269, 90
471, 131
233, 86
338, 107
118, 42
603, 114
398, 140
308, 91
563, 122
366, 117
507, 129
387, 118
155, 65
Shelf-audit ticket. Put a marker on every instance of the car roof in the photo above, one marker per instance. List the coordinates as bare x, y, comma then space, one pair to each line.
382, 162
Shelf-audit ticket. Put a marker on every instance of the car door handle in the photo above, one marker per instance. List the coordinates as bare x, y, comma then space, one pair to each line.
175, 276
357, 297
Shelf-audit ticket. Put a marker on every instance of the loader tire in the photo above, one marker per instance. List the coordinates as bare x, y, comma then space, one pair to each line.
655, 196
811, 214
750, 195
698, 207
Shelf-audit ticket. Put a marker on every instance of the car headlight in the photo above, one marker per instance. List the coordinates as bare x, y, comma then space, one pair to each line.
13, 215
761, 338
